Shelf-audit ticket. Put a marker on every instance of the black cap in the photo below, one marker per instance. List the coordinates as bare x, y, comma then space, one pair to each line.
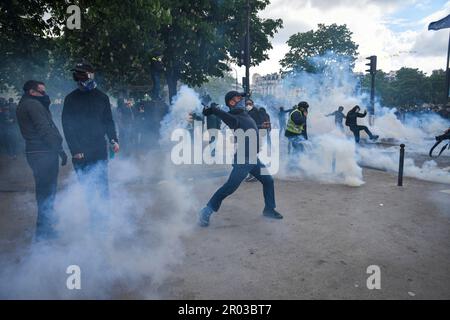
83, 67
231, 94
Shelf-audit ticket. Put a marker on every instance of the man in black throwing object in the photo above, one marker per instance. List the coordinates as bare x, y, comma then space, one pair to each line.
238, 118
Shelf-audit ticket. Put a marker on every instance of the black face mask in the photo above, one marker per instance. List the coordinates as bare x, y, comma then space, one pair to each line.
45, 99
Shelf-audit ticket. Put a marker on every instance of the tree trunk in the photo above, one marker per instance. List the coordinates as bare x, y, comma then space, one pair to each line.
172, 81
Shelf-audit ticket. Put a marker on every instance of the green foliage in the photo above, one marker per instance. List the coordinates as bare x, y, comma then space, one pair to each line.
409, 87
204, 37
216, 87
25, 45
119, 38
195, 39
334, 38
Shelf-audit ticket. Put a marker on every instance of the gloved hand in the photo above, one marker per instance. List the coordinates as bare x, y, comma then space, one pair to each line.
208, 111
63, 157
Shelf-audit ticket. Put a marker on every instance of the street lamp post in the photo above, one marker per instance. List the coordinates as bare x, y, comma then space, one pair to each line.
237, 83
247, 52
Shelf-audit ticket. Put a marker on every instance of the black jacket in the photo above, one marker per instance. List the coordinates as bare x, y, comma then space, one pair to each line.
240, 119
213, 122
255, 114
37, 127
86, 119
351, 120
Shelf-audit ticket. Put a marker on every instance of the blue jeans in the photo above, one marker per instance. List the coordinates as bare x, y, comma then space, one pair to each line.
356, 131
296, 143
237, 175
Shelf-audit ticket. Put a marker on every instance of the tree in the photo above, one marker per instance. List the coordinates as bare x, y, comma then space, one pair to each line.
194, 40
216, 87
204, 37
437, 86
409, 87
335, 39
25, 38
119, 38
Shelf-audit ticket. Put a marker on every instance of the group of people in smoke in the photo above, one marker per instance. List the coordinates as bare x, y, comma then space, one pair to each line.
8, 127
351, 122
86, 120
139, 123
244, 115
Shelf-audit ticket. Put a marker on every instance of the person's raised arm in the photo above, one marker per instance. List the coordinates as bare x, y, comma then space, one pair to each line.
227, 118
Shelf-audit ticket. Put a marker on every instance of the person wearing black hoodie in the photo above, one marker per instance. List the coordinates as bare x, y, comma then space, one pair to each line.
86, 120
351, 122
238, 118
43, 145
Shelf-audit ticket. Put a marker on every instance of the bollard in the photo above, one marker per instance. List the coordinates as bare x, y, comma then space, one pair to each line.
400, 166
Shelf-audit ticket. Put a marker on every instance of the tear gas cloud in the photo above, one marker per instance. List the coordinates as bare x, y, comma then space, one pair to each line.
133, 255
335, 85
185, 102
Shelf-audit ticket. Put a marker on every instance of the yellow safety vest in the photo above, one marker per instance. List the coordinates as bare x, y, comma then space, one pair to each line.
292, 127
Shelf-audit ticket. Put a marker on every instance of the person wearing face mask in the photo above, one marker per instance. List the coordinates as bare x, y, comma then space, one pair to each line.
87, 120
43, 145
253, 112
238, 118
296, 129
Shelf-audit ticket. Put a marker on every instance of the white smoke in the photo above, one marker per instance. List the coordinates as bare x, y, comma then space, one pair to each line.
336, 86
185, 102
133, 255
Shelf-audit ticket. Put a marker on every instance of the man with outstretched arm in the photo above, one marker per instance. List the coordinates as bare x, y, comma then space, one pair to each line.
238, 118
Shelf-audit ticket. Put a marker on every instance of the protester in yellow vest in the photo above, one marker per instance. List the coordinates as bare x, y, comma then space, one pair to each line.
296, 129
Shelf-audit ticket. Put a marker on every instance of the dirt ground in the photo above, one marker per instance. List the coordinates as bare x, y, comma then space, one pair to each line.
330, 234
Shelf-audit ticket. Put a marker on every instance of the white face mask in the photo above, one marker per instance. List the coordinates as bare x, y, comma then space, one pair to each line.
249, 107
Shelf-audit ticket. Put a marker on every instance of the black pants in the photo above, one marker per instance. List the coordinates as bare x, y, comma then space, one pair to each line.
93, 176
357, 129
45, 167
237, 175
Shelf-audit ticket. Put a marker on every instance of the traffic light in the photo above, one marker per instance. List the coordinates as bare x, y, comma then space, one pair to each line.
372, 64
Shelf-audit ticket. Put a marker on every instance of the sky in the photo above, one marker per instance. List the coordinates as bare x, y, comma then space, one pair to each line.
394, 30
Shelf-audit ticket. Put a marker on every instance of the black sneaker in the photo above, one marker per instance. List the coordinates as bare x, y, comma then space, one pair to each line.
374, 138
272, 213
